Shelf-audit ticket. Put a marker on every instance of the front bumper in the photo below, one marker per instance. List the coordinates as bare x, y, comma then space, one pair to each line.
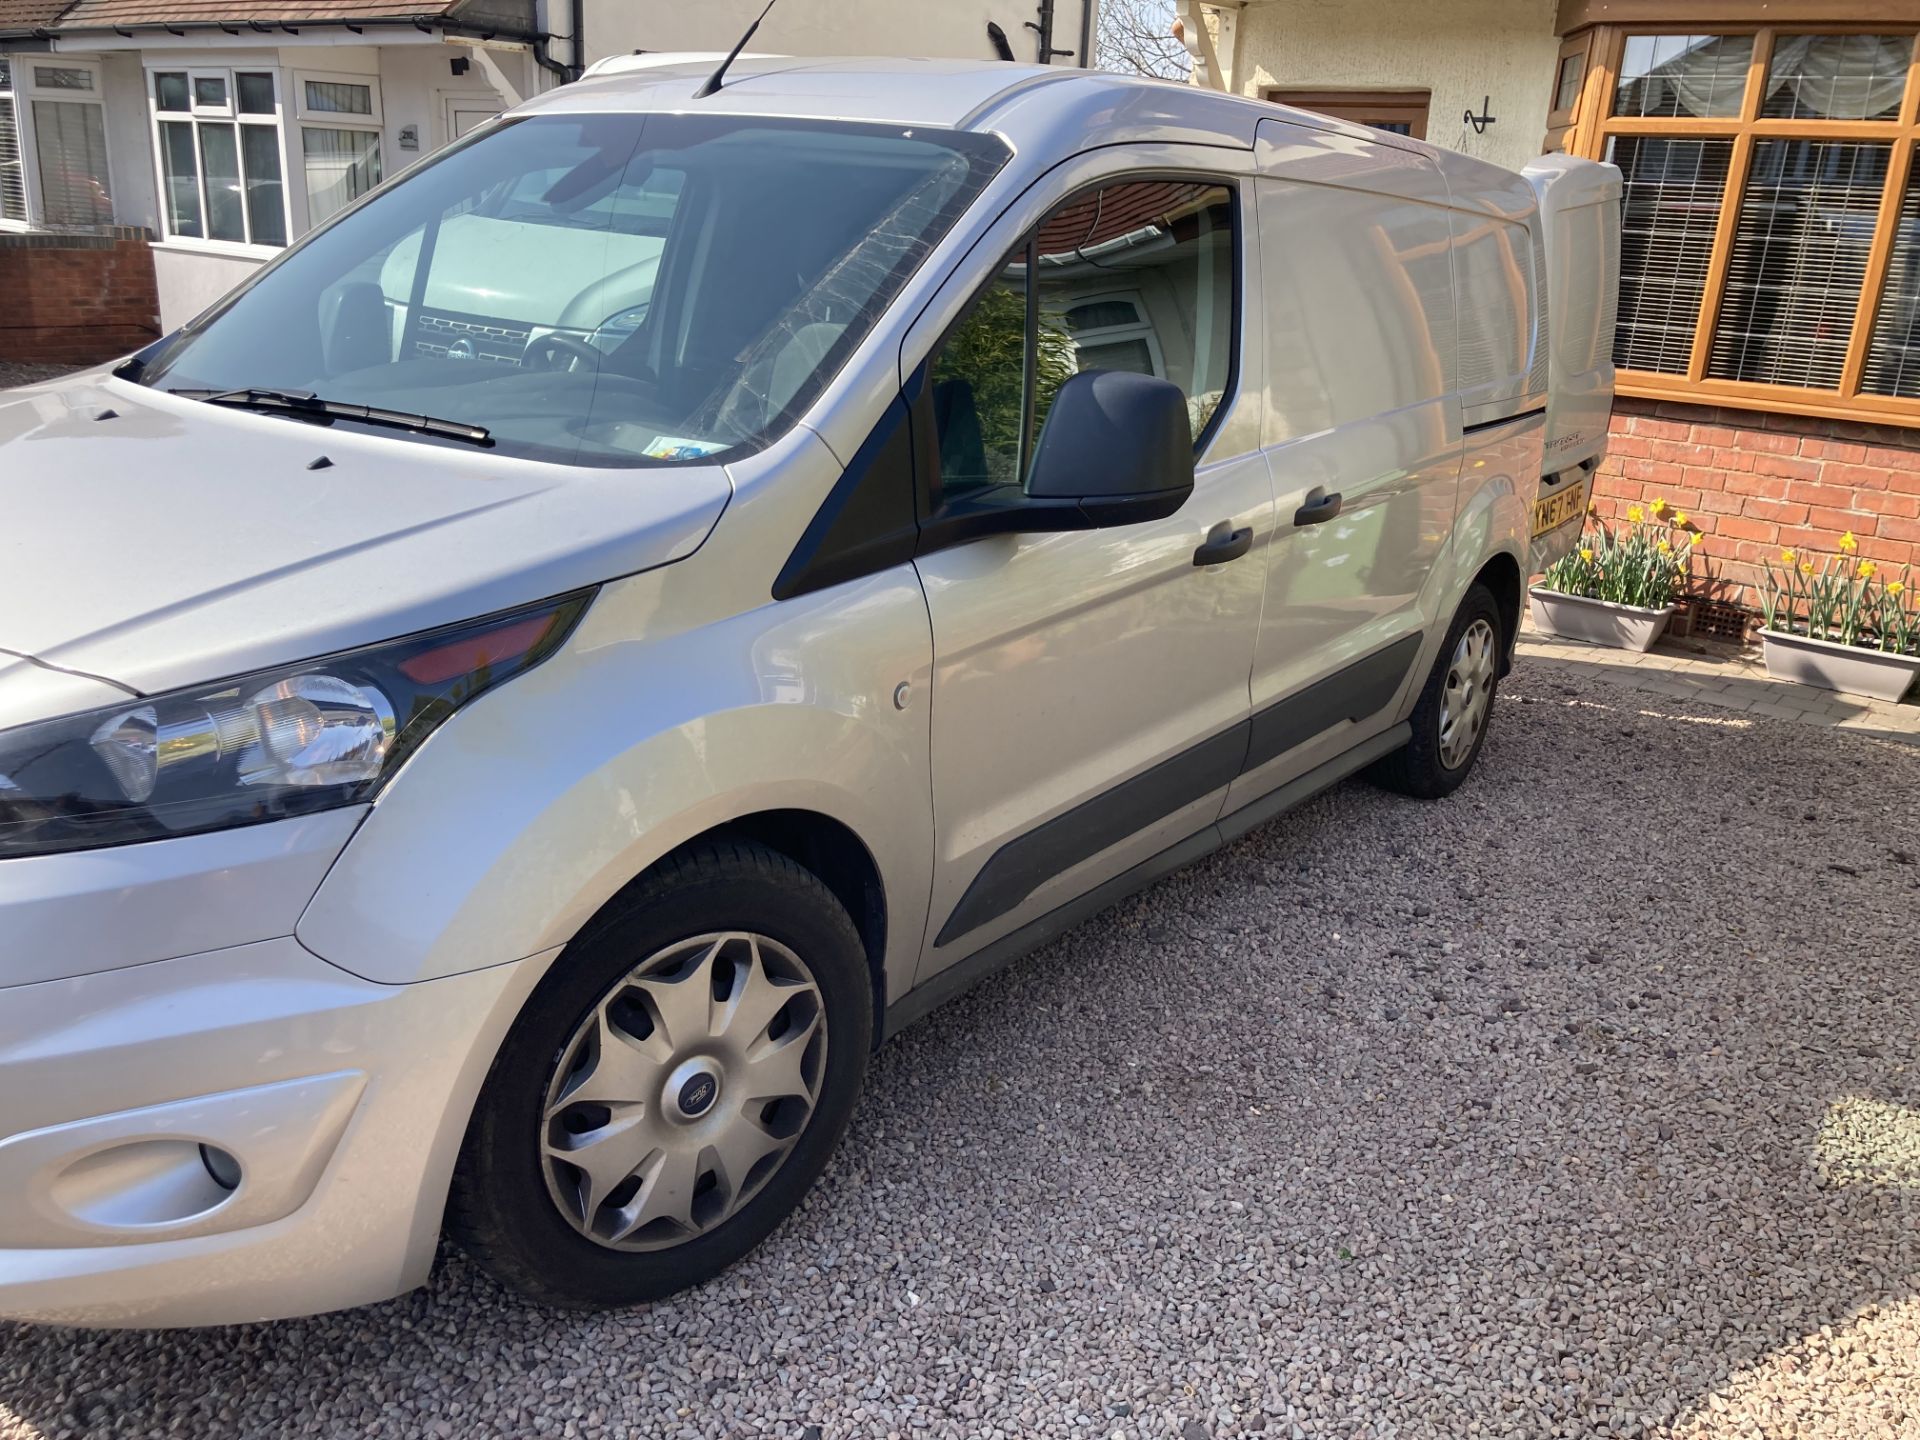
341, 1102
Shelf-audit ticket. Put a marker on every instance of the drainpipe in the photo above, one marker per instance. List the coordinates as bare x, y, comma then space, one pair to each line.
543, 52
1086, 33
1045, 31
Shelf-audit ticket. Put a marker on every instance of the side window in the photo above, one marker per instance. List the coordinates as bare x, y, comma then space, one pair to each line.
1134, 275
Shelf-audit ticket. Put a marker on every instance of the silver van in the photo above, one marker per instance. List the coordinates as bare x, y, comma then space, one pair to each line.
501, 715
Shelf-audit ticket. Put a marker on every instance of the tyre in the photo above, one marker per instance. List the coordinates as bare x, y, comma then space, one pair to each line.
1455, 707
673, 1087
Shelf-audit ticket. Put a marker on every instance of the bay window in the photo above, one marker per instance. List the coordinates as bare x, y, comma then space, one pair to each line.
1770, 246
218, 137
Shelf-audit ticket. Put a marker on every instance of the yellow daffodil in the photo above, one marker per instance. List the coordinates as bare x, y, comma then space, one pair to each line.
1896, 588
1867, 567
1664, 548
1848, 543
1636, 514
1659, 506
1586, 555
1806, 567
1680, 519
1786, 557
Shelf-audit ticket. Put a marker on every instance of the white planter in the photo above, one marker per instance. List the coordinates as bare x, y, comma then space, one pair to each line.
1625, 627
1851, 669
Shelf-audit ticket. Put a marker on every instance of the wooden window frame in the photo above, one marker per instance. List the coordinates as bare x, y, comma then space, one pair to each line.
1593, 125
1408, 107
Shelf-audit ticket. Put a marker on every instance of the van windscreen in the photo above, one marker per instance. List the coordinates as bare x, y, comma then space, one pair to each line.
627, 289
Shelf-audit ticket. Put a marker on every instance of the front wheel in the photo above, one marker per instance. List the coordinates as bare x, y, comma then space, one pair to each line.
1455, 706
673, 1089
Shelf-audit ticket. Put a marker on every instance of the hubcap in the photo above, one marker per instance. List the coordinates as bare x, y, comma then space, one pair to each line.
1469, 693
683, 1091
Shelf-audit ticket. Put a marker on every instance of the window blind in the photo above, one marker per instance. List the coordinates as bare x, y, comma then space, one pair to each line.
1673, 190
13, 175
1893, 348
71, 141
1801, 238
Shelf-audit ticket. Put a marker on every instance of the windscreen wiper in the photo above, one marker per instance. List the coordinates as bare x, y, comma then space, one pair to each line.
309, 406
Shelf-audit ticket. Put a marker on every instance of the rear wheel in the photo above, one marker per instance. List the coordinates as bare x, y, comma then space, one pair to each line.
1455, 706
673, 1089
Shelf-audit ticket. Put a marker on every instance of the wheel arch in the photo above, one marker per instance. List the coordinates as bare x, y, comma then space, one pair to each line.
1501, 575
827, 847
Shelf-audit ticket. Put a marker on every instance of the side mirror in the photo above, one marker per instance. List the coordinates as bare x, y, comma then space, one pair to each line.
1118, 444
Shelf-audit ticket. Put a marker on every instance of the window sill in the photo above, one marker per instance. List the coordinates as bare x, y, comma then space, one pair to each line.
223, 249
1777, 399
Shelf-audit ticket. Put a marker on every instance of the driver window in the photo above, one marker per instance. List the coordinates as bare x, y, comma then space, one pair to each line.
1134, 275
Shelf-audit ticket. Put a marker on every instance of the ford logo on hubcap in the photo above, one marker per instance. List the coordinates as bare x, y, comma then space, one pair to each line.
697, 1094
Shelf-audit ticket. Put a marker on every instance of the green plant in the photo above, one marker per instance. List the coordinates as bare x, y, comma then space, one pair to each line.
987, 351
1644, 563
1841, 599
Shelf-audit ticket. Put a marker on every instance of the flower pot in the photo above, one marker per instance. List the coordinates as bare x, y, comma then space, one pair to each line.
1851, 669
1625, 627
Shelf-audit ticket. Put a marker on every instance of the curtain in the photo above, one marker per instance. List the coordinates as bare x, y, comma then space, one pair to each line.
1837, 77
1698, 75
341, 166
1813, 77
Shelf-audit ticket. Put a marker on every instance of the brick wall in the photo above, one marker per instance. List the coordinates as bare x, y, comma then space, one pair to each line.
76, 299
1757, 483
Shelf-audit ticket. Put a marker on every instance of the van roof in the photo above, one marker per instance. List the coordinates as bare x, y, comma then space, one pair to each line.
1045, 107
1020, 101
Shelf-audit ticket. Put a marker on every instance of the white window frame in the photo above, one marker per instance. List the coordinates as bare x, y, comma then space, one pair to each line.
25, 90
292, 218
373, 124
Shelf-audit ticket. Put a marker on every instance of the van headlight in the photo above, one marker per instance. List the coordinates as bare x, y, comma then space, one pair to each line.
281, 742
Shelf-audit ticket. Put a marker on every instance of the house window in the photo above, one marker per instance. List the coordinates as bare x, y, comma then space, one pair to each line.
1398, 112
339, 141
53, 145
1770, 250
217, 133
13, 165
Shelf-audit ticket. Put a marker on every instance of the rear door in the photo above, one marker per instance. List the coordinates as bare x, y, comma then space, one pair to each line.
1090, 688
1362, 432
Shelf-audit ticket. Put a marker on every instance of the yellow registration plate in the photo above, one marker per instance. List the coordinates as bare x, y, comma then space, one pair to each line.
1550, 512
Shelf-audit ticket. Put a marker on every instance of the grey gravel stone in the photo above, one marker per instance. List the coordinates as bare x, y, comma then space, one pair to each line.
12, 373
1270, 1213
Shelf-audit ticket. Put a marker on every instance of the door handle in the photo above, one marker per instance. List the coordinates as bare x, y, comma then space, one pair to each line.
1320, 508
1224, 543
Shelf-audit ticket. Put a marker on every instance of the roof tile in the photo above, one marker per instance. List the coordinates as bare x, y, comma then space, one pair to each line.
26, 14
94, 14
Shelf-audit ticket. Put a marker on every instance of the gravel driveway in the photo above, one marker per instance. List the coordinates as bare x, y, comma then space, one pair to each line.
1584, 1103
14, 373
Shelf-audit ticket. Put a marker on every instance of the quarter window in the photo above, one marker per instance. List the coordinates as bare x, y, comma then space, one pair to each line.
1137, 275
218, 137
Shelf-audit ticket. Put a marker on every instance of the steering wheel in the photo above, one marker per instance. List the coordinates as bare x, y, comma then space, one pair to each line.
545, 345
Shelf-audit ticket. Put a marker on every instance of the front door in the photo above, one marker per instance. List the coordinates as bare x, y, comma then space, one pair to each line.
466, 113
1090, 691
